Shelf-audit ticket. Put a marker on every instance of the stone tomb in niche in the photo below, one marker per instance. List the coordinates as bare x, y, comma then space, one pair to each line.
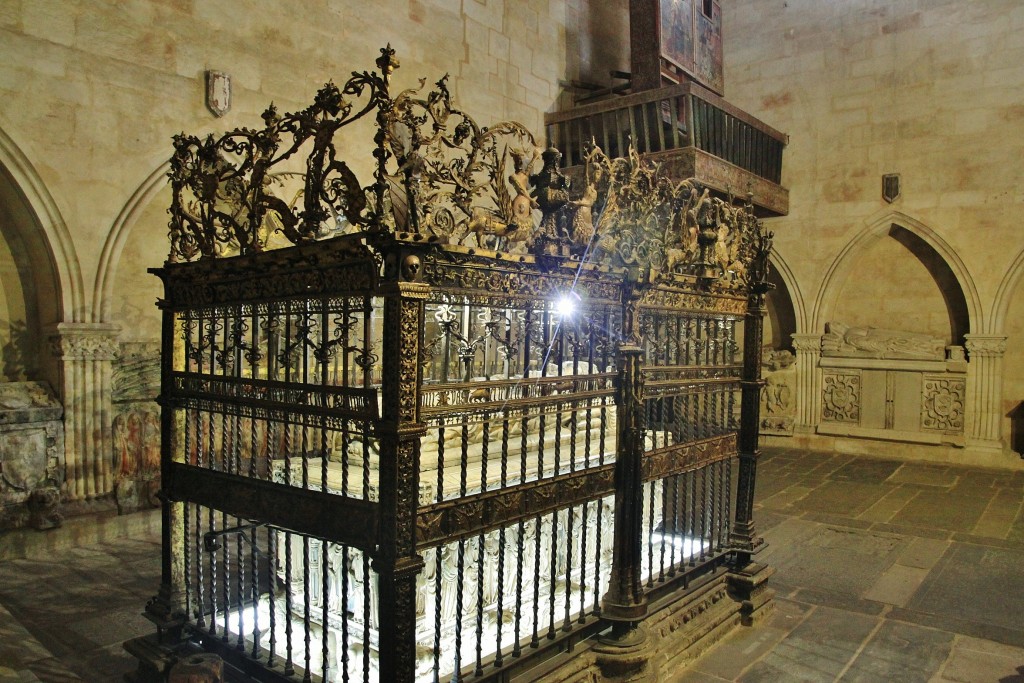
31, 456
891, 384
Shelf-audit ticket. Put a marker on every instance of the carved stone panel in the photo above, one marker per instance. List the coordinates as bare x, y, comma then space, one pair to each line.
942, 404
840, 397
31, 455
778, 397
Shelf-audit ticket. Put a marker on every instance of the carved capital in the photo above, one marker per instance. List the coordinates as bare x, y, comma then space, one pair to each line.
807, 343
84, 341
984, 345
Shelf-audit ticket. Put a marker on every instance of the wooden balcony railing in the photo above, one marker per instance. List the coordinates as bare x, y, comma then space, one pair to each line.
673, 117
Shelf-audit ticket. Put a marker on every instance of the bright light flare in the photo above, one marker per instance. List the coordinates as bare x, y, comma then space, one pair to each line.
566, 304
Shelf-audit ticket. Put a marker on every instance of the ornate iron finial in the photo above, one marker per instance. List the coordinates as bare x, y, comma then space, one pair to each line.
387, 62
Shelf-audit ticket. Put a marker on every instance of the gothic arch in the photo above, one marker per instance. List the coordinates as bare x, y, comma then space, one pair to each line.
48, 236
796, 296
118, 235
839, 271
1004, 295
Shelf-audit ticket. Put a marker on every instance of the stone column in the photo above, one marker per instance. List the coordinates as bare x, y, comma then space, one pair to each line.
985, 390
86, 352
808, 382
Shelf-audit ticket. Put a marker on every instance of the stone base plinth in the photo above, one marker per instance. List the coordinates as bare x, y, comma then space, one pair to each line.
155, 660
749, 587
974, 454
674, 634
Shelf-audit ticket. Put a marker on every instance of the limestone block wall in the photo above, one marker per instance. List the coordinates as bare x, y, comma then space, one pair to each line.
929, 91
92, 93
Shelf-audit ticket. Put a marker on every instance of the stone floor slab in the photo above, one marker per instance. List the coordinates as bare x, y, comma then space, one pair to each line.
938, 510
900, 652
976, 583
923, 553
847, 498
866, 471
897, 585
972, 659
924, 475
735, 654
886, 507
998, 518
816, 650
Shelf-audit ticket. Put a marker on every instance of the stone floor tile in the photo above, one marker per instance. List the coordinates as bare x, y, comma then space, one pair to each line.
913, 531
847, 498
736, 653
975, 583
836, 600
886, 507
924, 475
784, 498
18, 647
816, 650
54, 670
866, 471
998, 518
900, 652
939, 510
923, 552
836, 520
113, 627
897, 585
972, 659
842, 573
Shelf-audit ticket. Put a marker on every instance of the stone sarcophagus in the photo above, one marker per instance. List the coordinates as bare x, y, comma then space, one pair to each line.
31, 455
468, 419
891, 384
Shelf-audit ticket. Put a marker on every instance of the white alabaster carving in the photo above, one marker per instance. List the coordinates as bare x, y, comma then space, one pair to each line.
985, 346
778, 400
872, 342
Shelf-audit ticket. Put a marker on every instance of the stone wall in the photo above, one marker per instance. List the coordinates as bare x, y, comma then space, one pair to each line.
927, 90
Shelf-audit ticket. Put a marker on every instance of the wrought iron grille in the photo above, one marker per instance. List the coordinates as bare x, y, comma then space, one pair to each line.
424, 448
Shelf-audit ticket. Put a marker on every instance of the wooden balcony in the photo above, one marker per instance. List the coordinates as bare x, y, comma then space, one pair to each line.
691, 131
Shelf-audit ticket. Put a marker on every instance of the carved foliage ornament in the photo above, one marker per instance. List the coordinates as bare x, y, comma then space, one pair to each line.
223, 188
440, 177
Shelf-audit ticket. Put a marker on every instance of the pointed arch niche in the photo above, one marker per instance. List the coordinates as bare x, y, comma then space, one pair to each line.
781, 313
900, 275
40, 280
1007, 333
125, 293
900, 281
784, 316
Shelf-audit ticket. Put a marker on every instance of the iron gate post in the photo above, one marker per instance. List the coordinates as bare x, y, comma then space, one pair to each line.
625, 603
397, 563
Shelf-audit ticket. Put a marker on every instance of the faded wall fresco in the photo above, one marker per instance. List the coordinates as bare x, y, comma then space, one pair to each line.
135, 427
